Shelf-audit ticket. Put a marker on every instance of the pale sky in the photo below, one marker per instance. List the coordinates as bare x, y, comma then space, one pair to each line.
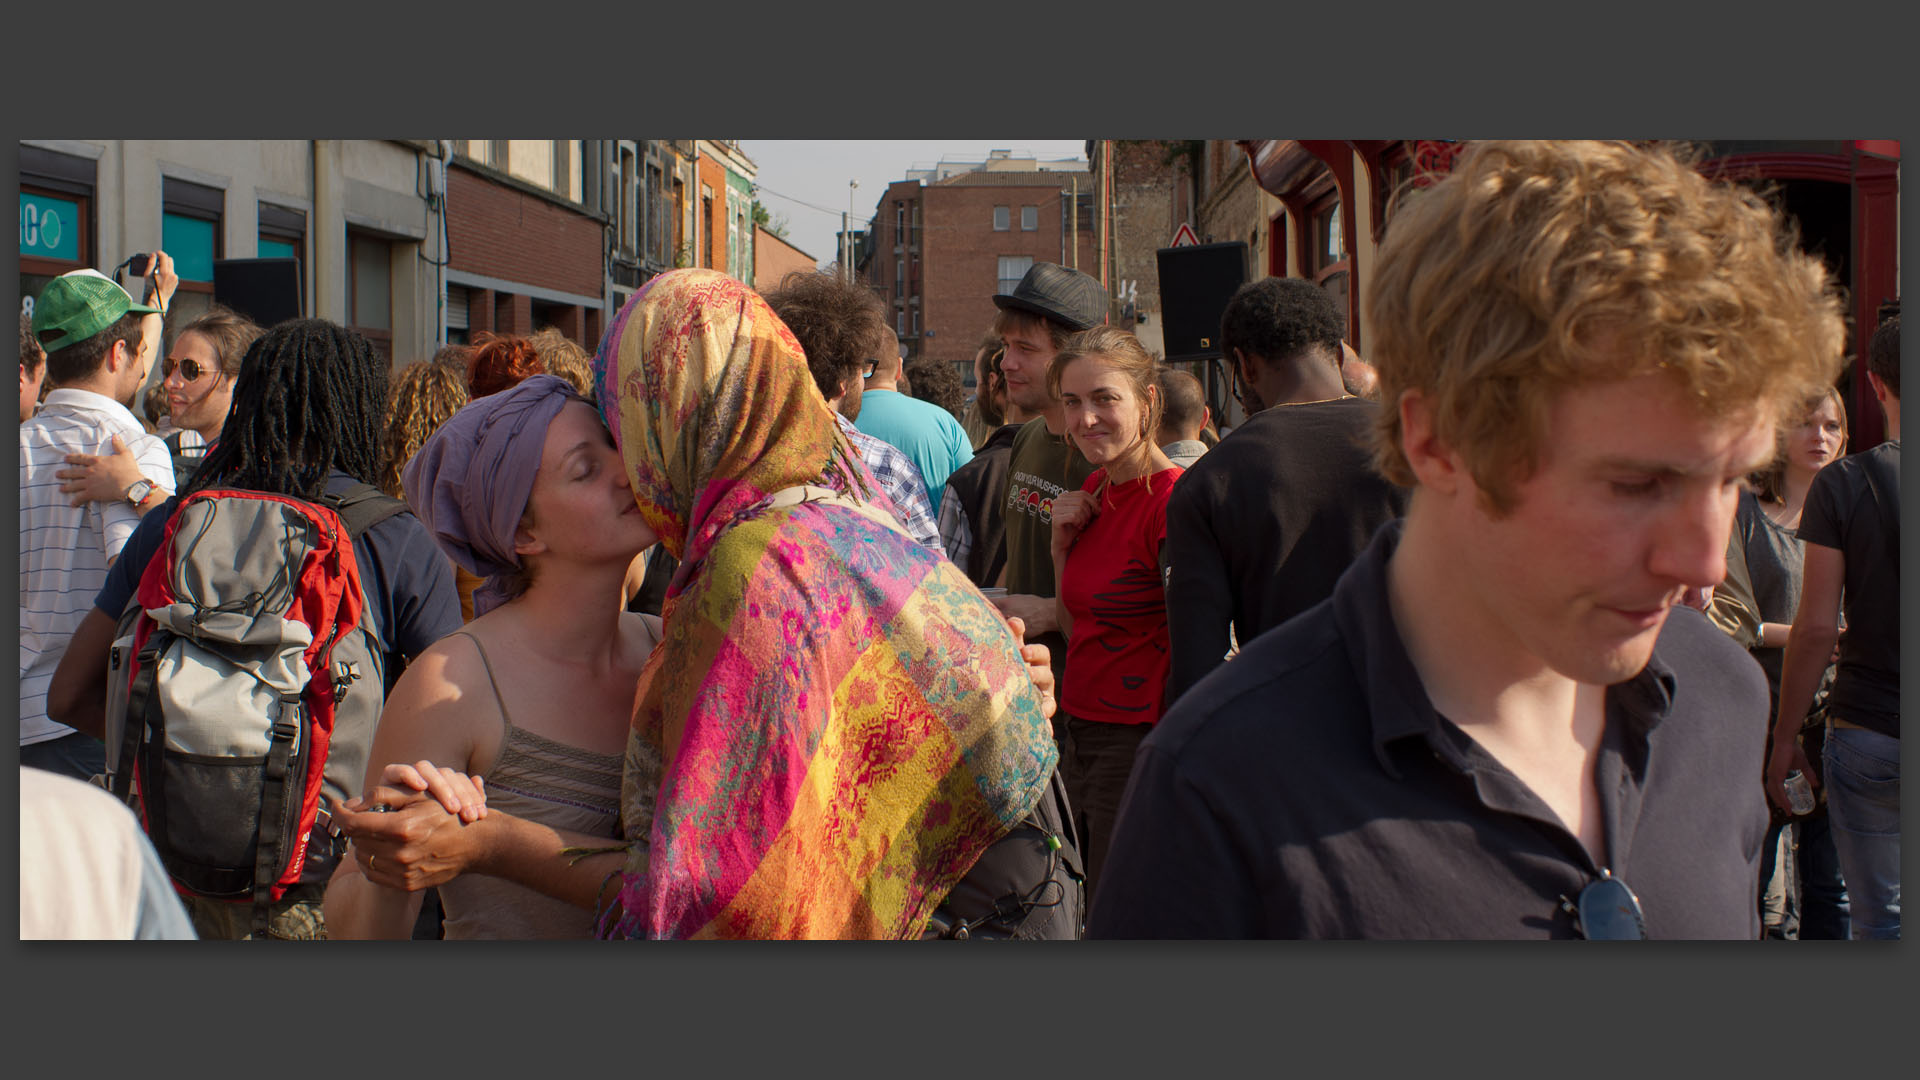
817, 172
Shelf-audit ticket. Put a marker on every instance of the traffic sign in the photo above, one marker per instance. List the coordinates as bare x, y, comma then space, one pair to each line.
1184, 237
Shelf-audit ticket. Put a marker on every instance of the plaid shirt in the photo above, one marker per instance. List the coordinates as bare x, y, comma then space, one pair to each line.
900, 479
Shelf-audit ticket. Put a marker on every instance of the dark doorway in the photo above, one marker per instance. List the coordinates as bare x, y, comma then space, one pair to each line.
1822, 212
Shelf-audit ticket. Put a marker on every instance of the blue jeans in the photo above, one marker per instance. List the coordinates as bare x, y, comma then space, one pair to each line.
77, 755
1863, 804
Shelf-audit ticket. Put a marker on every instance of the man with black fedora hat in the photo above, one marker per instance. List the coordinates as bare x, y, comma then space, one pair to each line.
1050, 305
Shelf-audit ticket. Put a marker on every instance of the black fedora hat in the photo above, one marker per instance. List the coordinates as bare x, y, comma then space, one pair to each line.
1052, 291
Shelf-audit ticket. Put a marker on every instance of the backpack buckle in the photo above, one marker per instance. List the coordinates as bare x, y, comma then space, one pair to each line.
345, 674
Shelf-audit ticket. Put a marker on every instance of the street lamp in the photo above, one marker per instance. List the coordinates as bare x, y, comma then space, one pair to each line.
846, 231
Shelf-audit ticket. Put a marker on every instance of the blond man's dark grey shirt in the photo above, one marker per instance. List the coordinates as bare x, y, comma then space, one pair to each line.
1308, 789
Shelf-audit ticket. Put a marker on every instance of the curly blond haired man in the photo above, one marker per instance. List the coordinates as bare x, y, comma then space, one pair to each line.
1502, 724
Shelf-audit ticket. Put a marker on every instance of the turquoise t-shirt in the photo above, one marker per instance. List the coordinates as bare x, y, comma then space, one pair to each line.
928, 434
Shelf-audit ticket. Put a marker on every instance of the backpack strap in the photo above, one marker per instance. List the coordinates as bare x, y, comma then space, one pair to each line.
363, 506
283, 737
142, 710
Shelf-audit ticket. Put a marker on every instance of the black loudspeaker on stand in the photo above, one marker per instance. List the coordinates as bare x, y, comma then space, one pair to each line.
1195, 285
264, 290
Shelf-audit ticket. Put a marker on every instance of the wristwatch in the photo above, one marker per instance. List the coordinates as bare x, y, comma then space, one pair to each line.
138, 491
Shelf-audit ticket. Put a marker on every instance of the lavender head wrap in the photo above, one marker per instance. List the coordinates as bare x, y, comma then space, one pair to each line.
470, 480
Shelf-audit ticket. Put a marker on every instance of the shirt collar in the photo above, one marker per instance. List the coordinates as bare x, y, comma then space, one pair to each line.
1397, 703
73, 397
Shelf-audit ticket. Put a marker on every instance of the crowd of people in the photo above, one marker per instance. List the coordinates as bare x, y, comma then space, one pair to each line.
1564, 613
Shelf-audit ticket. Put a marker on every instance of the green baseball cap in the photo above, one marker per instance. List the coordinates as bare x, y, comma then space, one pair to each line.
79, 304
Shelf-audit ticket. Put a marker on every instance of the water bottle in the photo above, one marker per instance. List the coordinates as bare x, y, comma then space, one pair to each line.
1799, 794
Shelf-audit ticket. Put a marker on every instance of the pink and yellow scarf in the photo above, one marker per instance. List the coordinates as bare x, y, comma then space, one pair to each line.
836, 724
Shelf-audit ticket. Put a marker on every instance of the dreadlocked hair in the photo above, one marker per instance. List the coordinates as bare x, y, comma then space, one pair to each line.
311, 399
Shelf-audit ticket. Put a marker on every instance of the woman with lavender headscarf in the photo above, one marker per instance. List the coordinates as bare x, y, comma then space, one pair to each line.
524, 489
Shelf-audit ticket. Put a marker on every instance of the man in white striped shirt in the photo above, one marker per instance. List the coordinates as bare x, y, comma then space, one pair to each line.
100, 346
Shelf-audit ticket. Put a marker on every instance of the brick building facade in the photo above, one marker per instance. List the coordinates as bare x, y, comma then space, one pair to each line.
775, 258
522, 258
940, 251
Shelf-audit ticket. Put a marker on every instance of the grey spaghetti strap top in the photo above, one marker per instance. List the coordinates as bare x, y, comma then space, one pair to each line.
541, 780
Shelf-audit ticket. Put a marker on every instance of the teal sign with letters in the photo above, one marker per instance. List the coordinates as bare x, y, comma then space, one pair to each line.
49, 227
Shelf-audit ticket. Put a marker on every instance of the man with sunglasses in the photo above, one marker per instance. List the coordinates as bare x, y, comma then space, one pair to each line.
1260, 527
99, 346
198, 382
1502, 724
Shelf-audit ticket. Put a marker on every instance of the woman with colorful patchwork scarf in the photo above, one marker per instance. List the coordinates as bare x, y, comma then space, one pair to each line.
837, 727
837, 724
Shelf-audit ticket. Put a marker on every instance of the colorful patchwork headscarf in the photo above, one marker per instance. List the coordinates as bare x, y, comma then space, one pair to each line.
836, 723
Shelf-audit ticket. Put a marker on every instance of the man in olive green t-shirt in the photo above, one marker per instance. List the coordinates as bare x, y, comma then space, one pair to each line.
1050, 304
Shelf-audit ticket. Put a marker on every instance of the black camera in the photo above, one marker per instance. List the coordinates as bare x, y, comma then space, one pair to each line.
139, 265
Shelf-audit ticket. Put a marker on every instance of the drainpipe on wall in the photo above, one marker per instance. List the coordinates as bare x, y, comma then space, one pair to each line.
437, 196
329, 237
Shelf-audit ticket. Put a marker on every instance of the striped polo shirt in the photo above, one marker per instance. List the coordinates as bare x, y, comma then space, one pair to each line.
64, 550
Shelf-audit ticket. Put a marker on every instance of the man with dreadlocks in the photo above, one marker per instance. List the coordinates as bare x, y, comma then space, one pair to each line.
308, 416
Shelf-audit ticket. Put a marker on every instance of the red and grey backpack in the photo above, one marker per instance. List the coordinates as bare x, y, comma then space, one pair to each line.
246, 681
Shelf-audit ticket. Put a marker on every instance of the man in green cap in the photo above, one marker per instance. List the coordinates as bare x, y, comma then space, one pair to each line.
100, 346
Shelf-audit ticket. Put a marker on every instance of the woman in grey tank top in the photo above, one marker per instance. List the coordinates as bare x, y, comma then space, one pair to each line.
1802, 894
532, 700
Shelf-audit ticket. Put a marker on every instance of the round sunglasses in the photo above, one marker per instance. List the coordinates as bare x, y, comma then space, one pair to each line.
190, 369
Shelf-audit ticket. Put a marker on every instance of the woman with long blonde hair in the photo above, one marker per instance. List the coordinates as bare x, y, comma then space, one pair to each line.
1764, 526
1106, 558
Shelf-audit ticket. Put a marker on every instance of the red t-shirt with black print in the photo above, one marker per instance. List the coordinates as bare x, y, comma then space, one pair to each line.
1117, 659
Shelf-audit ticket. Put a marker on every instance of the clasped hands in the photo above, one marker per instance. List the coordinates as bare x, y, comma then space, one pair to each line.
413, 830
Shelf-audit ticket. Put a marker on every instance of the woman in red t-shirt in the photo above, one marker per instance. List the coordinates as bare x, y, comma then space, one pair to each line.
1106, 564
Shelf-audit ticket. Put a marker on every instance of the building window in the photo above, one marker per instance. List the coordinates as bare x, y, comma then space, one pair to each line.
899, 225
899, 322
563, 168
497, 153
190, 216
706, 221
1326, 236
283, 235
629, 222
733, 245
676, 230
56, 219
1000, 219
1012, 269
370, 289
1327, 258
1029, 218
459, 314
659, 229
916, 322
899, 275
